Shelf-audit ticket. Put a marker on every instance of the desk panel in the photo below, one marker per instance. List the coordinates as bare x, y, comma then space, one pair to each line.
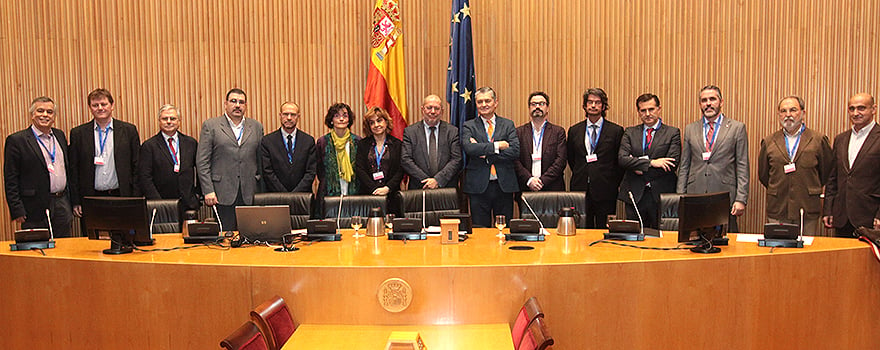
600, 296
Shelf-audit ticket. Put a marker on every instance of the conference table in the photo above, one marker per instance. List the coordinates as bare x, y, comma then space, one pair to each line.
494, 336
594, 295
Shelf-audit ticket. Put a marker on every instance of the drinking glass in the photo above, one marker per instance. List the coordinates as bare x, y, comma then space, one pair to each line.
356, 223
389, 221
500, 224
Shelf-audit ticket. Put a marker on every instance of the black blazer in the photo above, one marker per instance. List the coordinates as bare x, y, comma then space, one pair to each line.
666, 143
157, 177
26, 177
853, 193
365, 164
81, 174
553, 157
600, 179
279, 174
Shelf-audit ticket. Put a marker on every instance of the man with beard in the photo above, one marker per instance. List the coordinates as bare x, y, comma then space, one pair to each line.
592, 155
852, 195
793, 165
288, 155
715, 155
542, 154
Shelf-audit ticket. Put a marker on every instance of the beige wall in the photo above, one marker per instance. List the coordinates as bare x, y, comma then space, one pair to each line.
190, 53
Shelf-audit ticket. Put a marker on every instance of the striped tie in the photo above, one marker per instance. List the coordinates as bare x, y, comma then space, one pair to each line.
490, 132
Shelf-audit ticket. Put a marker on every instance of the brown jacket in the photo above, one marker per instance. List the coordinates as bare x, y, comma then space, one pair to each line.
787, 193
853, 193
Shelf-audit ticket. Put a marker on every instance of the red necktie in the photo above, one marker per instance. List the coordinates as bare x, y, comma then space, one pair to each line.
649, 138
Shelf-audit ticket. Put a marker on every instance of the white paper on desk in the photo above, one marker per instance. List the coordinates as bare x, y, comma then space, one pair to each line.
754, 237
435, 231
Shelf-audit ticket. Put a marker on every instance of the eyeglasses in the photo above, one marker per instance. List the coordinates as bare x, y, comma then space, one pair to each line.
237, 101
537, 104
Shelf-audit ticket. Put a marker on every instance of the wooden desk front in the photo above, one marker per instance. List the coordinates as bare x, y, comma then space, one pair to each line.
495, 336
602, 296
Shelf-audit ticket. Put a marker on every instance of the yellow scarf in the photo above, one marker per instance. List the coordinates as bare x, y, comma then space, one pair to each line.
342, 160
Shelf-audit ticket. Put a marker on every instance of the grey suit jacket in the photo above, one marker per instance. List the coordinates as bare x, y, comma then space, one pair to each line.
224, 165
481, 154
728, 167
415, 157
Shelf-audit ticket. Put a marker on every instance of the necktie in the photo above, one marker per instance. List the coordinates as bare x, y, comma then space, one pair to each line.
432, 150
173, 151
648, 138
290, 148
710, 137
491, 131
593, 138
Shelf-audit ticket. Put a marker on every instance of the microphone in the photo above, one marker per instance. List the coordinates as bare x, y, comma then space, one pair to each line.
533, 213
801, 236
152, 220
424, 226
339, 211
49, 220
641, 224
217, 215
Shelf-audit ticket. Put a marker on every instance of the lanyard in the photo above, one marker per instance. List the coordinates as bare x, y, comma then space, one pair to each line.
793, 149
52, 152
593, 143
539, 137
102, 140
379, 156
711, 145
173, 150
645, 145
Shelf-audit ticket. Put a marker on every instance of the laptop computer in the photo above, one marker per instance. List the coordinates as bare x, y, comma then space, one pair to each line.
263, 223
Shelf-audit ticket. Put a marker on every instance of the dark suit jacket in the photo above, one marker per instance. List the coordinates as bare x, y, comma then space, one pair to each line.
223, 165
853, 193
728, 168
365, 164
787, 193
157, 176
415, 159
481, 154
553, 157
279, 174
666, 143
600, 179
81, 174
26, 178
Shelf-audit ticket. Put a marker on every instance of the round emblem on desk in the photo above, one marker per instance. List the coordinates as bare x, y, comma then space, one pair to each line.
395, 295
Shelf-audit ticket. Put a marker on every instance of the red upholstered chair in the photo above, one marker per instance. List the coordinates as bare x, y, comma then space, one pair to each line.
274, 319
537, 337
246, 337
530, 311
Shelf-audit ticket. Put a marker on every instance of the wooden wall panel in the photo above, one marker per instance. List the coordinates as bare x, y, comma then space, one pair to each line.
191, 52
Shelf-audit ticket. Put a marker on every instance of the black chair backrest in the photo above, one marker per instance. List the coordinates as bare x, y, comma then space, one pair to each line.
669, 211
167, 215
438, 202
351, 205
300, 205
547, 205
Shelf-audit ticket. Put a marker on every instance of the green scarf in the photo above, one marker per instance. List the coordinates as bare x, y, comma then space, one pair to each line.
345, 171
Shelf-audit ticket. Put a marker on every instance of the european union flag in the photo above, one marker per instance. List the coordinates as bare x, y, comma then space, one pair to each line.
460, 80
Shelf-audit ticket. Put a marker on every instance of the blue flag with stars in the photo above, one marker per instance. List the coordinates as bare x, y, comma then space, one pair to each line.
460, 79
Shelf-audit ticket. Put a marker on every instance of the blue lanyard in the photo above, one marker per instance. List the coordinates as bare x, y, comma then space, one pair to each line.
102, 140
598, 135
540, 137
379, 156
646, 146
52, 152
717, 122
173, 150
238, 137
797, 142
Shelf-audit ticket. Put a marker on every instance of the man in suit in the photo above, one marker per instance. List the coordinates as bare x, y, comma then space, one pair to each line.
436, 144
227, 158
492, 147
288, 155
852, 194
715, 155
168, 162
592, 156
793, 165
542, 152
35, 172
649, 152
103, 154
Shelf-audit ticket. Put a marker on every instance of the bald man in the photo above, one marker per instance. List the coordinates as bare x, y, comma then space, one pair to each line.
288, 155
852, 195
431, 150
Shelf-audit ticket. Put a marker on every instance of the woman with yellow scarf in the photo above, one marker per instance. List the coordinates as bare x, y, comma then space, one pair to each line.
336, 153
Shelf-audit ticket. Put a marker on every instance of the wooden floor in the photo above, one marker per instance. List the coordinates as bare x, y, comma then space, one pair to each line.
602, 296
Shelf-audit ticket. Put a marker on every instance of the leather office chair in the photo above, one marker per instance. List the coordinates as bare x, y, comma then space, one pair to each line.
351, 205
300, 205
438, 202
537, 337
669, 211
167, 215
547, 205
274, 319
529, 312
246, 337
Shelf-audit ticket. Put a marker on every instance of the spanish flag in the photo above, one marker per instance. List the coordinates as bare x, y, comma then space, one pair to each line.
386, 81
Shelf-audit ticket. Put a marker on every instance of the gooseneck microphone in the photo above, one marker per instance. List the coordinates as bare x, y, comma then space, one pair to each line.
801, 236
217, 215
49, 220
153, 220
636, 206
339, 211
533, 213
424, 225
